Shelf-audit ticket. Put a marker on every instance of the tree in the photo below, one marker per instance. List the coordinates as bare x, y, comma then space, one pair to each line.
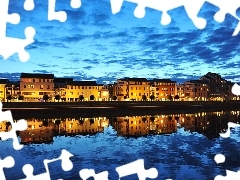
152, 118
58, 122
176, 97
152, 97
9, 97
91, 121
8, 124
58, 97
45, 97
144, 97
114, 98
81, 98
92, 97
20, 97
169, 97
45, 123
144, 119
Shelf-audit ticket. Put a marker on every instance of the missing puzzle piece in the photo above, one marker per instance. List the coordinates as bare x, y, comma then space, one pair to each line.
66, 164
7, 162
18, 126
137, 167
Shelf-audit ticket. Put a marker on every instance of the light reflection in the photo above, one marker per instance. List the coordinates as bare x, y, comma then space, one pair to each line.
43, 130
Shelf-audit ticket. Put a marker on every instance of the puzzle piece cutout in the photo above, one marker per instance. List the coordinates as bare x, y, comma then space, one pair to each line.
60, 15
66, 164
87, 173
137, 167
19, 126
7, 162
227, 7
230, 125
9, 45
236, 89
192, 9
230, 175
219, 158
29, 5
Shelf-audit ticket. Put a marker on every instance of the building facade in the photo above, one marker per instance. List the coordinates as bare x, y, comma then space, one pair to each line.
34, 86
132, 89
3, 83
163, 89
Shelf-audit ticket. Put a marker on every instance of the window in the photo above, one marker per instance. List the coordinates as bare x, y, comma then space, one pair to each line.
41, 86
136, 88
48, 87
131, 94
41, 93
32, 86
139, 94
71, 87
71, 93
25, 86
139, 88
82, 87
131, 88
89, 87
33, 80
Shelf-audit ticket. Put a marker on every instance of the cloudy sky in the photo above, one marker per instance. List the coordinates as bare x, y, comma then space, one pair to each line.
94, 44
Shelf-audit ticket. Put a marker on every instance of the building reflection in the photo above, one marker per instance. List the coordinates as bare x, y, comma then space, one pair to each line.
144, 125
44, 130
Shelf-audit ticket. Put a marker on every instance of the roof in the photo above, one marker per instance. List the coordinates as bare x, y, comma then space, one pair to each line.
196, 81
37, 75
3, 81
136, 79
16, 83
163, 80
62, 80
82, 83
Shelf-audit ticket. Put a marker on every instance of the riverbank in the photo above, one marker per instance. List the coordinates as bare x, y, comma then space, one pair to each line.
120, 104
118, 108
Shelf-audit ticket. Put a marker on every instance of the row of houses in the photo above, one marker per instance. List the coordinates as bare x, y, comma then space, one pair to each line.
33, 87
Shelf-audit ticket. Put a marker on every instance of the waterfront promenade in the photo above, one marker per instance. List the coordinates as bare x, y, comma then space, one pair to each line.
114, 108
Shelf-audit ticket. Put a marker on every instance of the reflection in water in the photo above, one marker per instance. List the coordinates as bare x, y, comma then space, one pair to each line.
208, 124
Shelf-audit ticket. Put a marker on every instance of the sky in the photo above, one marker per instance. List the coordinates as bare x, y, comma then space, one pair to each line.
95, 44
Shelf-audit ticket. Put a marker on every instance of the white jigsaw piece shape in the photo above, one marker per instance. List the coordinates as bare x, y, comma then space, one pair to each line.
236, 89
60, 15
7, 162
192, 9
137, 167
9, 45
227, 7
230, 175
220, 158
230, 125
19, 126
67, 165
87, 173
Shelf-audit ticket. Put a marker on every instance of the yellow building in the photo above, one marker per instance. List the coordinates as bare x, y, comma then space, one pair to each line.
3, 83
60, 87
13, 90
85, 88
163, 89
132, 89
34, 86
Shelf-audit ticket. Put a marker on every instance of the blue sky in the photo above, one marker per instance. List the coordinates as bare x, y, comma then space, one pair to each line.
94, 44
